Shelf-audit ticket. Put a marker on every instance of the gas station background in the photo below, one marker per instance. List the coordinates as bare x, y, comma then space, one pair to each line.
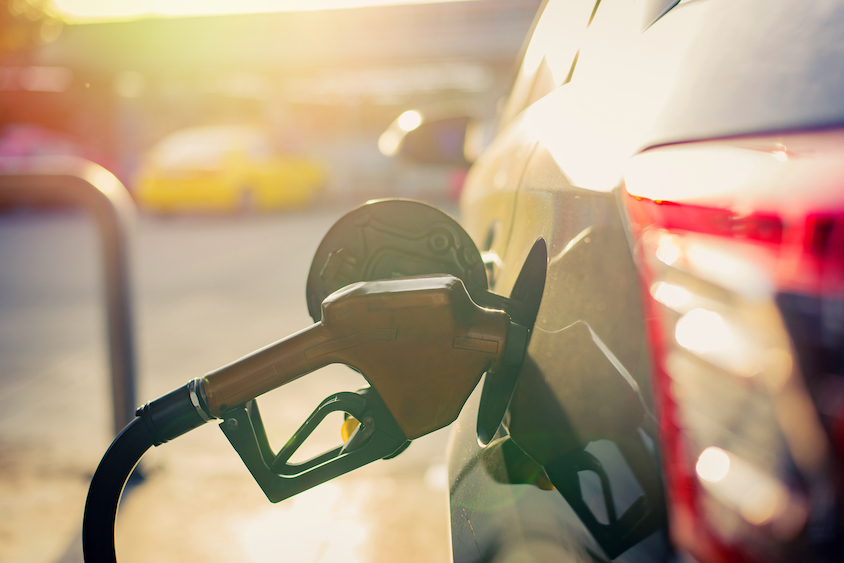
326, 83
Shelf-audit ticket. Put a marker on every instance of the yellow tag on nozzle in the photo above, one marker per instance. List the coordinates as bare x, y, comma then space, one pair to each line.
349, 426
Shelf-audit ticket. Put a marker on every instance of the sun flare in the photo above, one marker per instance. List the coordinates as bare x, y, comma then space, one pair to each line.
80, 11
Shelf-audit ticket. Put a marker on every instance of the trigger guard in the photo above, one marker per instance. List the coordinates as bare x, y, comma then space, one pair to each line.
279, 480
351, 403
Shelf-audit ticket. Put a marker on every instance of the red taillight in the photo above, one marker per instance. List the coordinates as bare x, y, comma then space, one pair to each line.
733, 239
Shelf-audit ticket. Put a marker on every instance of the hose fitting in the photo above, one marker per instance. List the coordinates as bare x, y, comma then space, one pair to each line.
175, 413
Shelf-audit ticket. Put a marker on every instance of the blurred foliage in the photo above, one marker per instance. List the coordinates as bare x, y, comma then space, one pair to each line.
25, 24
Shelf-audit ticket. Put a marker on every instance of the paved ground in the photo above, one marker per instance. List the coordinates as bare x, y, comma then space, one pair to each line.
208, 290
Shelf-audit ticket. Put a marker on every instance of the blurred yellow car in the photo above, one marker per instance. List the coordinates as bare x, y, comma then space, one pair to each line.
224, 169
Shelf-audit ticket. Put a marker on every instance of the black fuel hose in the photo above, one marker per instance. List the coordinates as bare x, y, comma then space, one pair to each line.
158, 421
107, 486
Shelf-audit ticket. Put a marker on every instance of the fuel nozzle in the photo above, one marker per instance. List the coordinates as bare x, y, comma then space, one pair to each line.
422, 343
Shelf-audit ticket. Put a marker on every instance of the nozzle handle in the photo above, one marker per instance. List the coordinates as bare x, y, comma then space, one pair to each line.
266, 369
281, 479
422, 343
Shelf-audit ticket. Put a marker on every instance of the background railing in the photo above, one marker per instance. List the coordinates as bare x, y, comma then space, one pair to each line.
80, 183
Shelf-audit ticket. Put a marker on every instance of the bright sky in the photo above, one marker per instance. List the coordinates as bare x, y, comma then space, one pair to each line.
106, 10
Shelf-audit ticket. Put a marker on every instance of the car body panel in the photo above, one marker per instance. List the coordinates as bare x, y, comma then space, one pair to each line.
705, 68
561, 401
605, 113
495, 520
490, 189
498, 521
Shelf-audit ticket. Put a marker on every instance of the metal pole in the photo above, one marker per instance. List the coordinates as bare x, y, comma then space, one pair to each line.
78, 182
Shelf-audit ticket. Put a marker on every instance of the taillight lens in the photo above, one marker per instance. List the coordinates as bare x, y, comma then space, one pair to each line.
740, 248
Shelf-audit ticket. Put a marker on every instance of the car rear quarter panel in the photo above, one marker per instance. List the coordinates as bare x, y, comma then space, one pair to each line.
571, 146
708, 68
